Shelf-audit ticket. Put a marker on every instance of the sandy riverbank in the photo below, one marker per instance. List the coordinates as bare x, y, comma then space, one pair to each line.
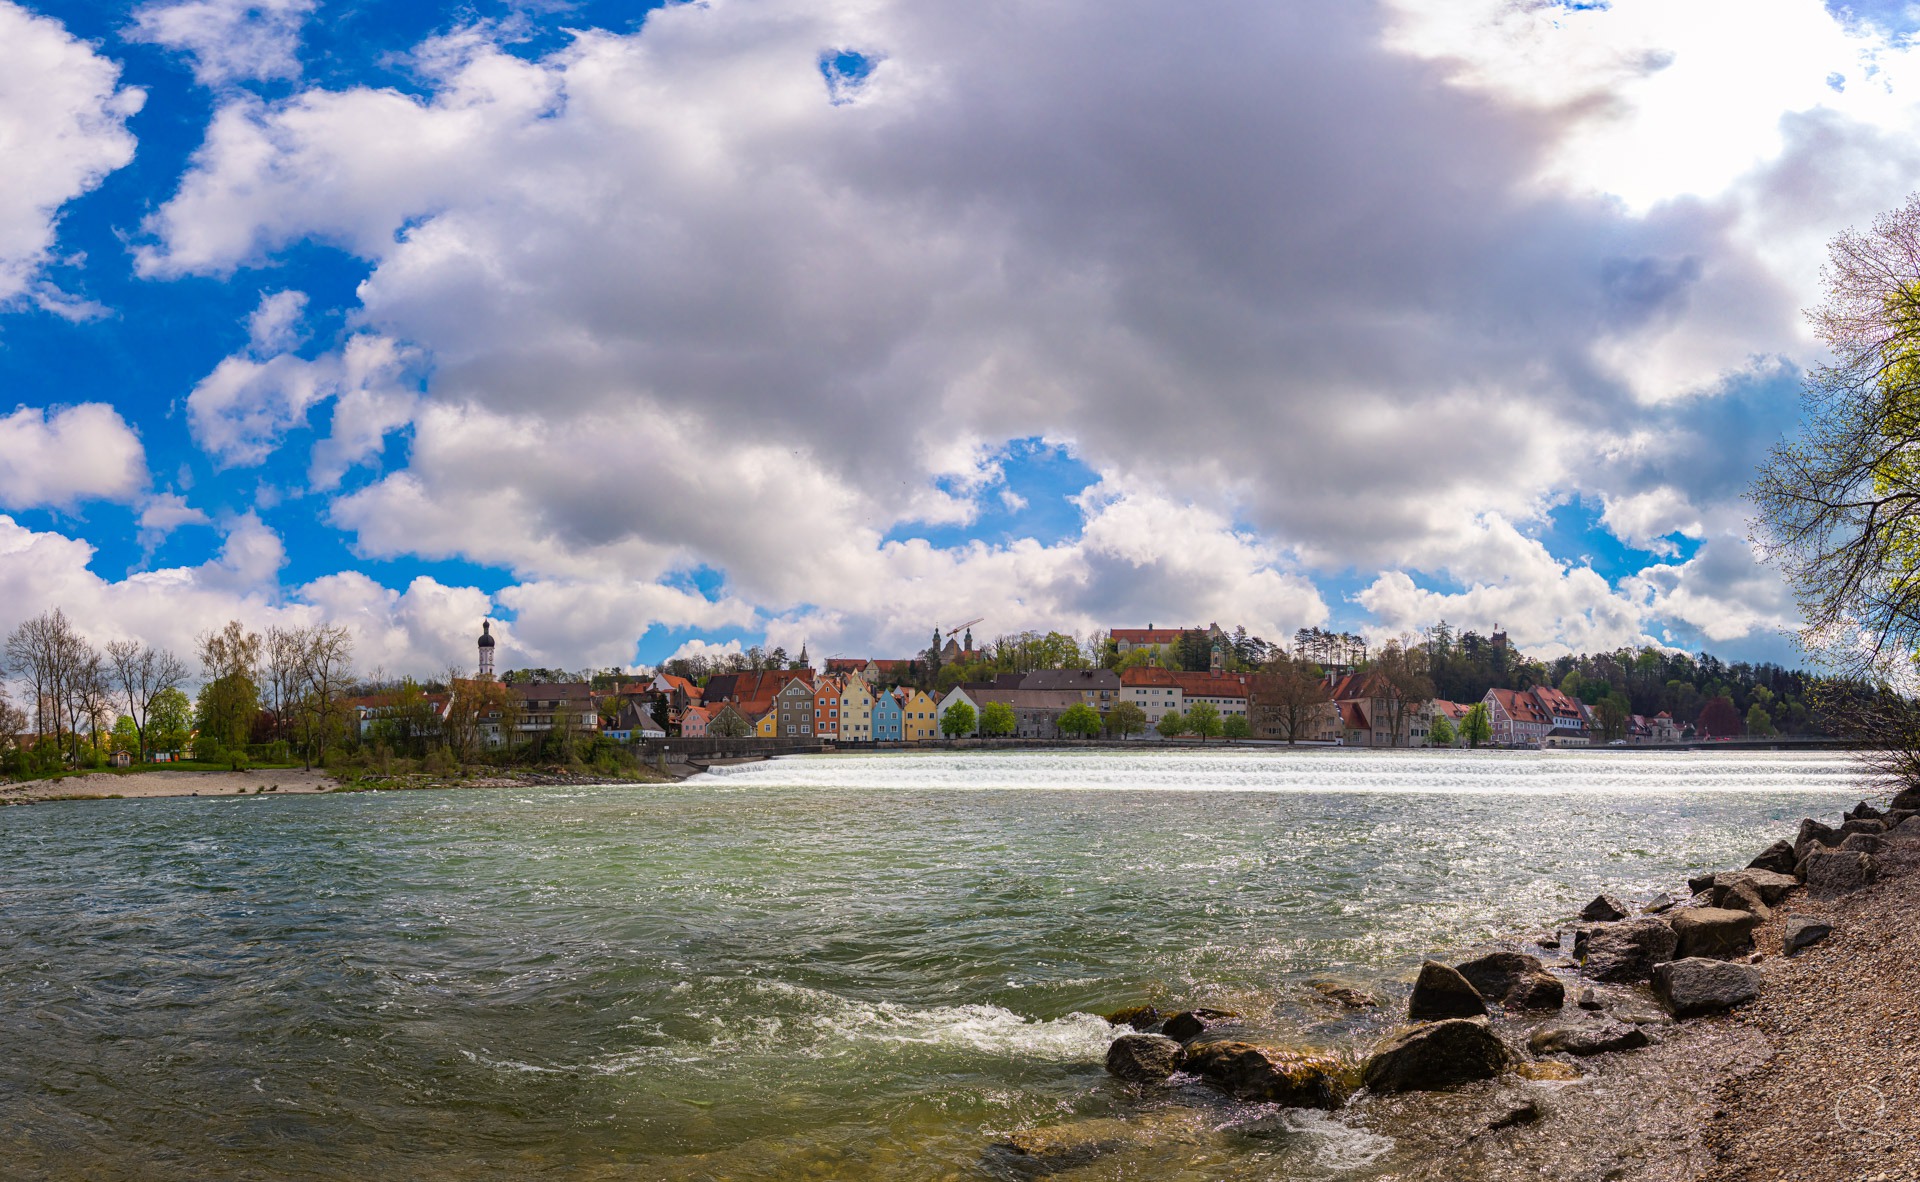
103, 785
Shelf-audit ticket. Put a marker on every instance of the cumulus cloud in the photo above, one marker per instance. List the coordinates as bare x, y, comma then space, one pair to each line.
162, 513
1354, 296
67, 455
229, 40
63, 119
240, 412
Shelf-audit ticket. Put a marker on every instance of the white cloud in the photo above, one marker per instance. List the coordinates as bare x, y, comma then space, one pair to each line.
61, 457
241, 411
229, 40
63, 117
162, 513
1318, 306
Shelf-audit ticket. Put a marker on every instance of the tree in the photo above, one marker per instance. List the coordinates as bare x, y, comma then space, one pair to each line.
1285, 697
997, 720
169, 721
325, 665
957, 720
283, 650
52, 657
140, 674
1126, 718
1401, 670
1194, 651
1476, 726
1080, 720
230, 697
1172, 725
1759, 722
125, 737
1839, 504
1441, 734
1236, 726
13, 724
1613, 712
730, 725
1204, 720
1718, 719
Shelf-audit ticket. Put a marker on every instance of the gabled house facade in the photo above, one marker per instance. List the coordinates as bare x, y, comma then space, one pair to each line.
951, 697
920, 716
1518, 720
887, 716
856, 711
826, 708
793, 710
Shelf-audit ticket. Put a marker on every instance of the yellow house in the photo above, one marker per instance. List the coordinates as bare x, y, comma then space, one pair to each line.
856, 711
920, 717
768, 724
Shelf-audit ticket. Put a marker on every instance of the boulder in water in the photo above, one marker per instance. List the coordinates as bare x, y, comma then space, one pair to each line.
1548, 1070
1604, 909
1436, 1055
1660, 904
1138, 1017
1627, 951
1906, 798
1441, 992
1188, 1025
1515, 980
1144, 1058
1345, 995
1253, 1072
1694, 986
1584, 1033
1713, 931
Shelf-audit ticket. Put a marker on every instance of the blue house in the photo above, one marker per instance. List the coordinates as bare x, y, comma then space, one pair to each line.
887, 718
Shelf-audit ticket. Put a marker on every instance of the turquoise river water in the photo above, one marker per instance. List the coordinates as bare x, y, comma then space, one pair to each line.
843, 967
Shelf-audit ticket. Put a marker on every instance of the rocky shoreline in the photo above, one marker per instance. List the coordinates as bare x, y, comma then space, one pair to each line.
1763, 1027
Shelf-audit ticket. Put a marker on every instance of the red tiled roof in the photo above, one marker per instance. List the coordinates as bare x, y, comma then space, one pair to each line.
1353, 717
1520, 706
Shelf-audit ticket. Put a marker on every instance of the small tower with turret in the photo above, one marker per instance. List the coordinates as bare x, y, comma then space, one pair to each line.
486, 650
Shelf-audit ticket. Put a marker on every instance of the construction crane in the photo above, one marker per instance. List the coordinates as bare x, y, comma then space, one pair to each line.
968, 624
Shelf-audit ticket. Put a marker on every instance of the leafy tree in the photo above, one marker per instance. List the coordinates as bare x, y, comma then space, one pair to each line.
1126, 718
1840, 504
169, 720
225, 710
1194, 651
140, 673
1440, 734
957, 720
1080, 720
729, 725
1476, 726
1236, 726
1172, 725
125, 737
1402, 668
1759, 722
1203, 719
1718, 719
997, 720
1613, 712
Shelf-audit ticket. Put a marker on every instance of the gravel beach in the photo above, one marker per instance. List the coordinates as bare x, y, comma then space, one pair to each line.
102, 785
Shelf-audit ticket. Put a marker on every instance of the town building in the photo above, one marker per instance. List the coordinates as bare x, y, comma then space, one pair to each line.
826, 708
1517, 717
1098, 688
919, 716
953, 697
793, 709
856, 711
887, 717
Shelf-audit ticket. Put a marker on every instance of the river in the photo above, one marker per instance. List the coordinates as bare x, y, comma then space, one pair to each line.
839, 967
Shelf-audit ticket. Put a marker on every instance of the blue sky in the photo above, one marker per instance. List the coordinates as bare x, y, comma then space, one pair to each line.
637, 327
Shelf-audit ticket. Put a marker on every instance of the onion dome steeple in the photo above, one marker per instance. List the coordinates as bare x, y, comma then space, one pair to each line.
486, 650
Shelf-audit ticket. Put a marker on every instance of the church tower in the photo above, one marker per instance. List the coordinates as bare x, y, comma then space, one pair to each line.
486, 650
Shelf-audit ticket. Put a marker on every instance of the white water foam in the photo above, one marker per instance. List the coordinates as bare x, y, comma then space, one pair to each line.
1245, 769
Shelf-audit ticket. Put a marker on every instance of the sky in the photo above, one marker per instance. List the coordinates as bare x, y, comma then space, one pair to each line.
644, 330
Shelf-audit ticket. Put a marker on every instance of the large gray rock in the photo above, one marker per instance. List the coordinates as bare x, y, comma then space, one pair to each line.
1777, 857
1627, 951
1695, 986
1713, 931
1770, 886
1863, 843
1812, 833
1253, 1072
1060, 1148
1441, 992
1138, 1017
1604, 909
1874, 825
1515, 980
1740, 895
1436, 1055
1835, 872
1908, 798
1660, 904
1863, 812
1803, 932
1144, 1058
1582, 1033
